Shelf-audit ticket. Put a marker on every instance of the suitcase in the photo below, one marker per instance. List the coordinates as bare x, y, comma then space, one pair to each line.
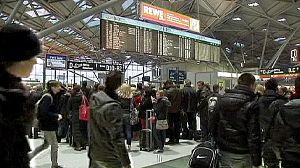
146, 137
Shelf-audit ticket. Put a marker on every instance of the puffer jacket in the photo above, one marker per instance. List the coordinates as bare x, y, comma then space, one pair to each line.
161, 108
264, 102
107, 148
235, 123
13, 115
286, 134
189, 97
174, 96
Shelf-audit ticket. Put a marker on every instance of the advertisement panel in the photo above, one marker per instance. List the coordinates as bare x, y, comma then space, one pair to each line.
164, 16
56, 61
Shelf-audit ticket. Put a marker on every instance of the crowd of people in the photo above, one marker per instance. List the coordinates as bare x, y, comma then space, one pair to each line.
251, 124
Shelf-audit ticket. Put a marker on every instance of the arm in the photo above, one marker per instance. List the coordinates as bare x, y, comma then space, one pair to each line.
214, 120
113, 115
254, 134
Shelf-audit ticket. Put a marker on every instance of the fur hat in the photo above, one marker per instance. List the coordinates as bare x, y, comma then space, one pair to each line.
18, 43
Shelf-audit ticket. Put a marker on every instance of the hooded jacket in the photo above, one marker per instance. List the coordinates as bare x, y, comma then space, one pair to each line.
286, 134
13, 116
107, 147
235, 125
161, 108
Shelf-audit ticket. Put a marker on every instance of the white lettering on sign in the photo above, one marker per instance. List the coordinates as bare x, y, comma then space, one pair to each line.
294, 55
154, 12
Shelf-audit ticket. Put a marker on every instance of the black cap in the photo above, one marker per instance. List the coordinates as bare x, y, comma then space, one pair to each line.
18, 43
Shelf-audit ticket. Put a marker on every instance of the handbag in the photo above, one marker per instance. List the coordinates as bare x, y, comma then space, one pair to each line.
162, 124
84, 109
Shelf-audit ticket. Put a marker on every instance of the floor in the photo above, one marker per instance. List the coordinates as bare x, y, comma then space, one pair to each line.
68, 158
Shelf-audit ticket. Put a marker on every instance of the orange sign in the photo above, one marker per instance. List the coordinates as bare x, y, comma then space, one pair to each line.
164, 16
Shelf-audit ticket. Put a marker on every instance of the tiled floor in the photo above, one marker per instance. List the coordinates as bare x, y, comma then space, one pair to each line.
69, 158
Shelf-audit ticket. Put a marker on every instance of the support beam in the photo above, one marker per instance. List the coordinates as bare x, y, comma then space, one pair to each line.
225, 55
211, 8
14, 12
264, 47
77, 18
275, 58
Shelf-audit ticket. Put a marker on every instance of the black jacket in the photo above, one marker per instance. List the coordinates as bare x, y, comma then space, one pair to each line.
13, 114
161, 108
107, 147
145, 105
174, 96
286, 134
189, 97
73, 106
48, 113
264, 102
235, 123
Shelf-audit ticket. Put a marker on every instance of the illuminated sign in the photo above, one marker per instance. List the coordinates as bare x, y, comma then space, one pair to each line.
295, 56
164, 16
56, 61
287, 72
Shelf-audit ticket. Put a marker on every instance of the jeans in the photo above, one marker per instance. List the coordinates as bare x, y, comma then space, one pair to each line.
191, 120
50, 139
174, 126
159, 137
232, 160
128, 132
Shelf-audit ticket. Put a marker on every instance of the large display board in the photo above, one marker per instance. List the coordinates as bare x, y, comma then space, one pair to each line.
118, 33
284, 72
56, 61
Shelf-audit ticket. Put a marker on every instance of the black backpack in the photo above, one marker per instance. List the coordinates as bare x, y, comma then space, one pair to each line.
204, 155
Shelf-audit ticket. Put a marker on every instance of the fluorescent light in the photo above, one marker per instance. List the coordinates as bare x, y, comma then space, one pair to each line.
254, 4
264, 29
281, 20
298, 8
280, 39
236, 19
297, 44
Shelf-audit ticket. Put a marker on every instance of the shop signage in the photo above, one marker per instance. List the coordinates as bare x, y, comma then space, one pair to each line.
92, 66
164, 16
55, 61
295, 56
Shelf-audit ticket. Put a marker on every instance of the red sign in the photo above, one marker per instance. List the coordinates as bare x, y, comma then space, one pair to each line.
164, 16
295, 56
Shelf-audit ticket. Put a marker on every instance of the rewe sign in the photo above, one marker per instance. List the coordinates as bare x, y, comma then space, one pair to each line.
167, 17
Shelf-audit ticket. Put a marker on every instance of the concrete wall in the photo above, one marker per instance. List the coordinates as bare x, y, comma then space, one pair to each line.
195, 72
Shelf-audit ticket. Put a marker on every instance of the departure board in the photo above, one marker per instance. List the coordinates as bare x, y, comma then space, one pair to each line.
118, 36
148, 41
168, 44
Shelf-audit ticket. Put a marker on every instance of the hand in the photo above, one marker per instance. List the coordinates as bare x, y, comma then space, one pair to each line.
59, 117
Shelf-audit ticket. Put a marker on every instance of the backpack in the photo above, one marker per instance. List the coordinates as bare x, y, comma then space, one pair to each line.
37, 113
204, 155
212, 101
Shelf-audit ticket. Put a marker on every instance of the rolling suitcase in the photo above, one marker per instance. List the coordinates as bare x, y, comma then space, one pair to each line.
146, 137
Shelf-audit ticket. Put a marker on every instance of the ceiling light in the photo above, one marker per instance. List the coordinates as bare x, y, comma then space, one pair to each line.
254, 4
298, 8
264, 29
281, 20
297, 44
280, 39
236, 19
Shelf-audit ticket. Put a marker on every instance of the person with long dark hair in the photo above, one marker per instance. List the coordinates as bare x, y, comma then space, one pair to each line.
18, 50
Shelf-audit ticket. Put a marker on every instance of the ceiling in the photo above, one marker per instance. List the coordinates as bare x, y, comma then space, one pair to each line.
251, 31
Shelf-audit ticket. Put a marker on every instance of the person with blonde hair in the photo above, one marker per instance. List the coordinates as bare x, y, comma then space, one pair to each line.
259, 89
125, 97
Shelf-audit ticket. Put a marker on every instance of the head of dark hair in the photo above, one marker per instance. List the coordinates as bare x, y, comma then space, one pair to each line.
139, 86
101, 88
76, 88
188, 82
84, 83
271, 84
200, 82
52, 83
246, 79
113, 80
216, 88
96, 87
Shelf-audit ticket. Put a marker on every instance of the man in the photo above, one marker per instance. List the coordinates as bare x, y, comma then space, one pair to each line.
285, 134
174, 96
189, 106
211, 106
269, 96
48, 116
235, 125
85, 90
107, 144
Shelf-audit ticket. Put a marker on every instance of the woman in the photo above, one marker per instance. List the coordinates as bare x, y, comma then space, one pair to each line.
125, 98
161, 108
78, 131
18, 50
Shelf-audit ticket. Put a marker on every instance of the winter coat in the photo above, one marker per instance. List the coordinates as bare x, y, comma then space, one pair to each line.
161, 108
174, 96
286, 134
264, 102
48, 113
189, 97
145, 105
13, 117
235, 125
126, 107
107, 147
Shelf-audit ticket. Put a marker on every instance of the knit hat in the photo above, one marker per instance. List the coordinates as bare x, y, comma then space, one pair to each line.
18, 43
